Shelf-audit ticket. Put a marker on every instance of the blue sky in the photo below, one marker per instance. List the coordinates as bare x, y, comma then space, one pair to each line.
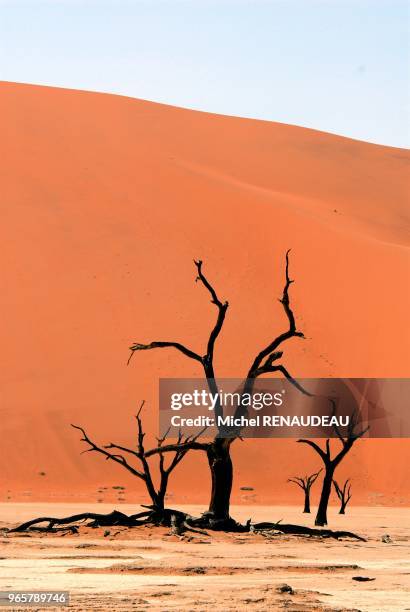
336, 65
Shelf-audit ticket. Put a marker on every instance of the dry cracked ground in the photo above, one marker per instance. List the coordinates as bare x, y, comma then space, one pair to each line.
149, 569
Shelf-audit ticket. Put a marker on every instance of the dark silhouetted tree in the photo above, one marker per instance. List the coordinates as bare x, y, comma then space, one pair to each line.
354, 432
135, 460
344, 494
265, 362
305, 483
137, 464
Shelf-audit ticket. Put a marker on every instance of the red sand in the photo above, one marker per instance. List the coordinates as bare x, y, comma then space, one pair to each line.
106, 200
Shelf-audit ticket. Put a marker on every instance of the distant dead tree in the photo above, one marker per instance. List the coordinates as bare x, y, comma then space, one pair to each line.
353, 433
344, 494
265, 362
305, 483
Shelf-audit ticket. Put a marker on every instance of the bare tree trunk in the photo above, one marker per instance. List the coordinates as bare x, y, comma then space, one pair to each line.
220, 464
306, 509
321, 517
159, 503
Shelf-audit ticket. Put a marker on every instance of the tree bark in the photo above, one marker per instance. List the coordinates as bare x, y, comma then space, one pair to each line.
306, 509
159, 503
321, 517
220, 464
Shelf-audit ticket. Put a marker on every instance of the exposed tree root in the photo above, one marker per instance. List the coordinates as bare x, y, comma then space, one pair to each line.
180, 525
178, 521
308, 531
97, 520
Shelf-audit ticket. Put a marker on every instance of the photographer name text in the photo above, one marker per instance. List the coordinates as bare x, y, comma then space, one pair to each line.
260, 421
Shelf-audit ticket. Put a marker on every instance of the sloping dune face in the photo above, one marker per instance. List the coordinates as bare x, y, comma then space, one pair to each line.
106, 201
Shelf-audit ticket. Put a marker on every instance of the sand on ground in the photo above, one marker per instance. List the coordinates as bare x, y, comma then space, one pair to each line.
147, 568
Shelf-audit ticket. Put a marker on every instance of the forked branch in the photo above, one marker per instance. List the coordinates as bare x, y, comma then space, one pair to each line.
143, 472
343, 493
305, 482
265, 360
222, 308
264, 363
347, 441
331, 462
114, 457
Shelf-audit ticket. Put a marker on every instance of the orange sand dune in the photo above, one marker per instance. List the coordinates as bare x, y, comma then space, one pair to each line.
105, 202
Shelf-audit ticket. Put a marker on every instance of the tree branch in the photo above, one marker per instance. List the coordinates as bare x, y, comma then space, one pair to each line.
207, 360
124, 449
157, 496
189, 443
298, 481
317, 448
117, 458
176, 345
290, 333
344, 494
313, 477
222, 308
265, 369
141, 451
306, 482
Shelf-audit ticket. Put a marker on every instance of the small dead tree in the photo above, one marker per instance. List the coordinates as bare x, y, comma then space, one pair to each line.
305, 483
156, 512
143, 471
265, 362
330, 463
344, 494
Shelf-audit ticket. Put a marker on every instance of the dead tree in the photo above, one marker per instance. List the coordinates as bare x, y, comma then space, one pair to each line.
265, 362
218, 450
344, 494
139, 455
156, 513
305, 483
137, 464
331, 463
